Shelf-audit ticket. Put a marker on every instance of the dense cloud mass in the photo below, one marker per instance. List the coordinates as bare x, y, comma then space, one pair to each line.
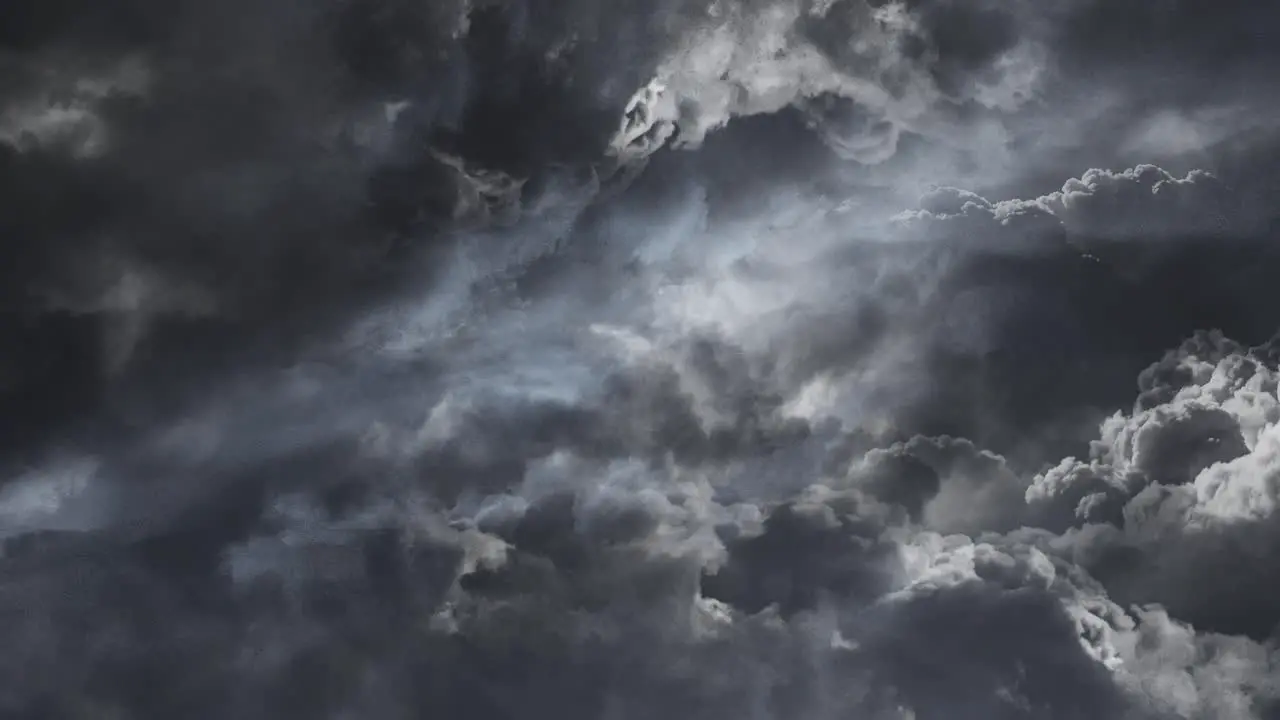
773, 359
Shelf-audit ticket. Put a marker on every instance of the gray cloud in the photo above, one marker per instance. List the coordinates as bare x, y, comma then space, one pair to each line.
1144, 202
379, 357
647, 575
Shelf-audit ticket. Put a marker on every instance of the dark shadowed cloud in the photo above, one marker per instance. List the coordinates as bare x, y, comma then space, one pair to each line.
904, 360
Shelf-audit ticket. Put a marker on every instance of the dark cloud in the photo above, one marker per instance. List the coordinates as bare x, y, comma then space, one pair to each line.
644, 577
526, 359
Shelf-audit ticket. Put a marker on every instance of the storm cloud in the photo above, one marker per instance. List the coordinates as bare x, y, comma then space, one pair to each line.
747, 358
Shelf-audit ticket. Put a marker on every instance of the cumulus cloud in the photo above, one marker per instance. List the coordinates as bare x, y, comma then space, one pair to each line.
1157, 532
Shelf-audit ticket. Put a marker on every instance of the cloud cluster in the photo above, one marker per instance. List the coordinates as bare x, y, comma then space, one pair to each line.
1183, 490
354, 129
922, 579
862, 73
675, 498
380, 357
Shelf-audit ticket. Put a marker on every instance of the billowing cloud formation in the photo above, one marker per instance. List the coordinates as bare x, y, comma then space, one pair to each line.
659, 512
926, 579
516, 358
862, 73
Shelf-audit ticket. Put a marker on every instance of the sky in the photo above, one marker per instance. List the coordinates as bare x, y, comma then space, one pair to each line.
696, 359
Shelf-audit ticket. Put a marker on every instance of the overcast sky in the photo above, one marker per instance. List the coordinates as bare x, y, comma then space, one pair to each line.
690, 359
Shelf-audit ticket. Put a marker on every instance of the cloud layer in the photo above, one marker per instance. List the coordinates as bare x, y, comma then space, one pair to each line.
509, 358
